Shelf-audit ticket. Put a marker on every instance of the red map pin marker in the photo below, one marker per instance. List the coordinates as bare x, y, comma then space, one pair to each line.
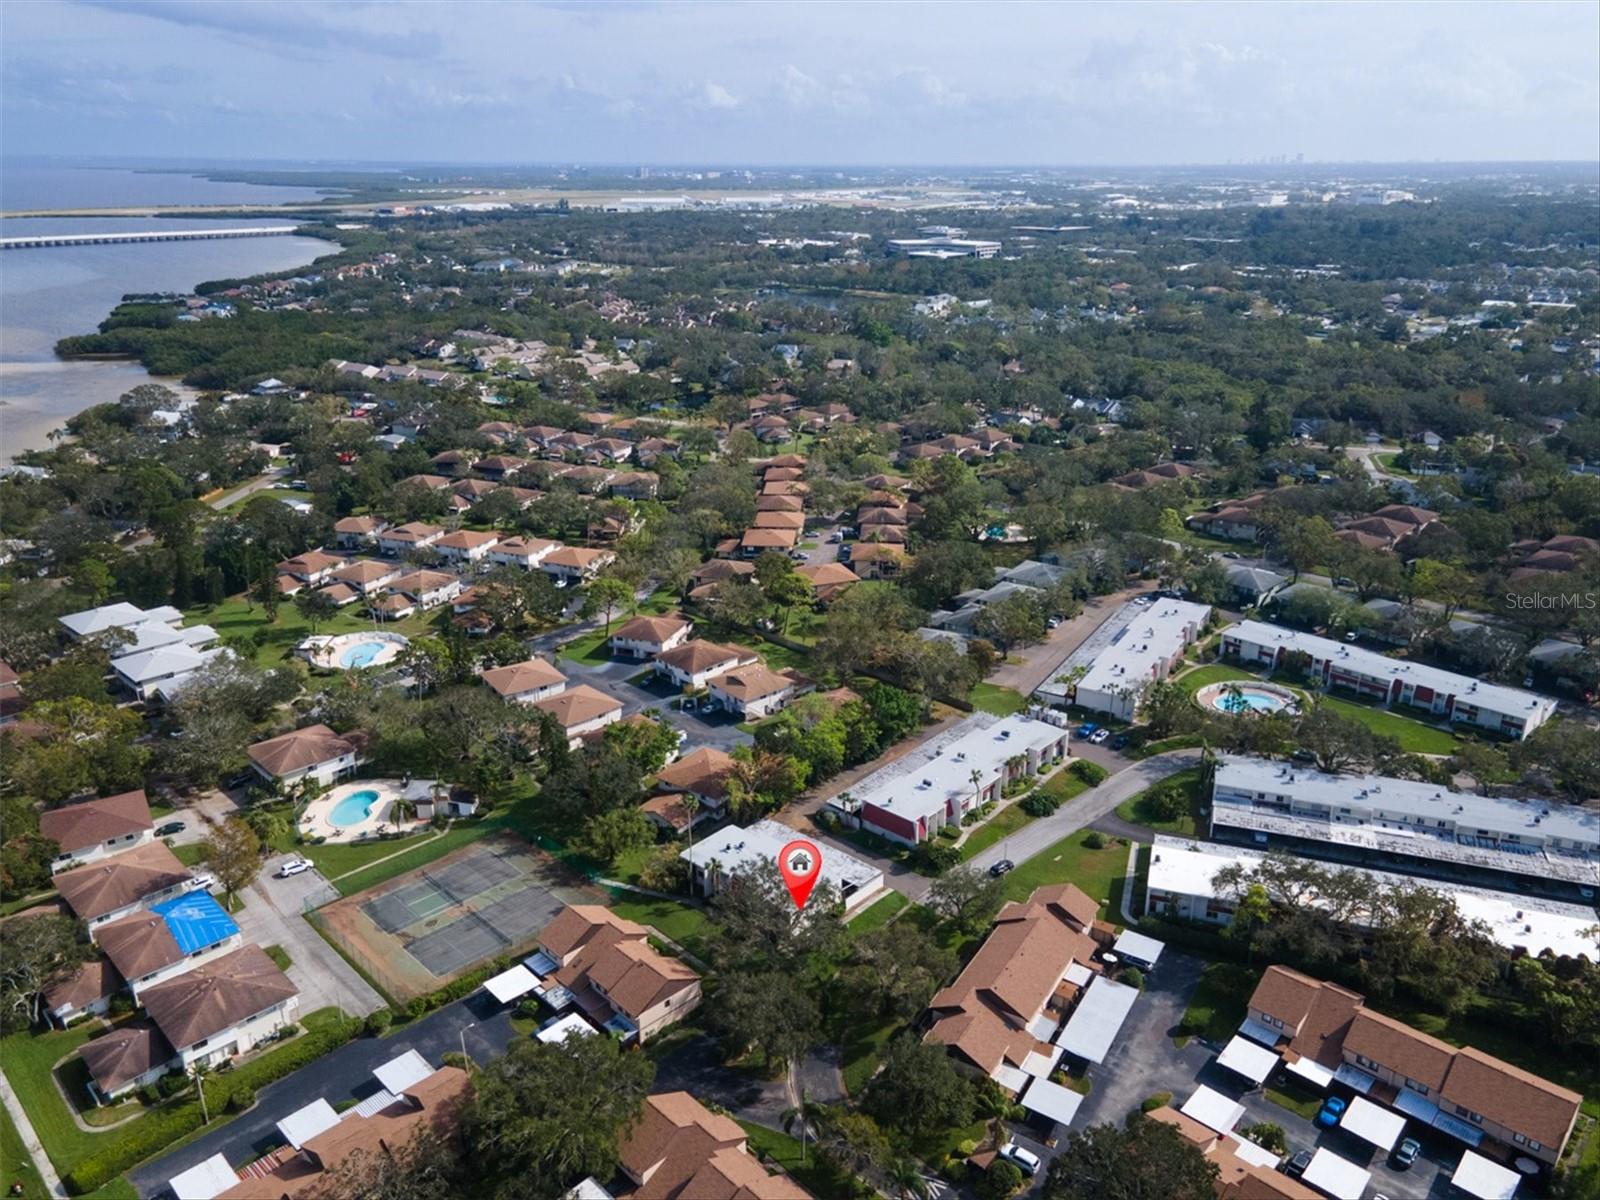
800, 862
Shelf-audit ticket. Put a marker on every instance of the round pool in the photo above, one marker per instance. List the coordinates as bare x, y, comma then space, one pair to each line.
361, 654
1245, 698
353, 809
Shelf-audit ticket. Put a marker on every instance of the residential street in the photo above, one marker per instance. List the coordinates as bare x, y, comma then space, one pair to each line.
343, 1075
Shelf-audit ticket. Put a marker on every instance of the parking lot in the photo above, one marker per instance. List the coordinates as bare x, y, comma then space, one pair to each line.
717, 729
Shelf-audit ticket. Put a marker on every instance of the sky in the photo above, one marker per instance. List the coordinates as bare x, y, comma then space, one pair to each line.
858, 83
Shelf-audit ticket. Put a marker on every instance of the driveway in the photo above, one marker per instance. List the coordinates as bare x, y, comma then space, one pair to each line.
696, 1067
717, 729
272, 916
343, 1075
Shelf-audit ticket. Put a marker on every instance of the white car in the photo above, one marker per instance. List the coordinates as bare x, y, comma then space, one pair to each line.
293, 867
1099, 735
1026, 1160
203, 882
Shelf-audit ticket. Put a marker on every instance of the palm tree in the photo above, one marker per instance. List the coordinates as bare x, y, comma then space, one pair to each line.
803, 1114
691, 805
905, 1178
976, 776
993, 1107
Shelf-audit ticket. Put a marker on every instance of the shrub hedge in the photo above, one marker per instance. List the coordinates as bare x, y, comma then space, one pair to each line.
1091, 773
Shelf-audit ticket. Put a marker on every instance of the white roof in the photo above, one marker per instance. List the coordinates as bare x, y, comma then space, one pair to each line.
737, 849
511, 983
1477, 1176
204, 1180
1310, 1068
919, 784
1078, 973
1040, 1065
398, 1074
1363, 797
147, 635
1251, 1153
1151, 637
1244, 1057
1097, 1020
300, 1126
588, 1189
1493, 697
1139, 947
1213, 1110
1373, 1123
178, 658
120, 615
559, 1029
1013, 1079
1051, 1100
1181, 867
1338, 1177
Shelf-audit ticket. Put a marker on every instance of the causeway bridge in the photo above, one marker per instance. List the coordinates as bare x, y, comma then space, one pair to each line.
42, 241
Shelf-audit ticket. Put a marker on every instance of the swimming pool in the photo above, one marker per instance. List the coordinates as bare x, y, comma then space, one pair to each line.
1246, 698
353, 809
362, 654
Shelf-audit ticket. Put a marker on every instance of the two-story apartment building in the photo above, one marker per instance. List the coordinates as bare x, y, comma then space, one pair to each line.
525, 552
581, 710
613, 974
755, 691
95, 829
168, 939
1508, 711
680, 1150
315, 752
413, 535
908, 801
466, 545
122, 884
525, 682
1326, 1034
693, 664
570, 565
1146, 650
648, 636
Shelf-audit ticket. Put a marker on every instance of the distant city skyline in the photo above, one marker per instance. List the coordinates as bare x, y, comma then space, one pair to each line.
957, 85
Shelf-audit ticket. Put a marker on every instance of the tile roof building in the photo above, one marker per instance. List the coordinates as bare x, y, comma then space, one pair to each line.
315, 751
647, 636
581, 710
525, 682
680, 1150
123, 883
614, 975
223, 1007
94, 829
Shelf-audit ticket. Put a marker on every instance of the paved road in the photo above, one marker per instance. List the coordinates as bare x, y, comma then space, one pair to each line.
272, 917
696, 1067
345, 1074
717, 729
1085, 809
259, 484
1040, 661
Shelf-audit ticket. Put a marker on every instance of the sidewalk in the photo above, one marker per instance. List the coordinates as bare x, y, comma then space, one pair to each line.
30, 1140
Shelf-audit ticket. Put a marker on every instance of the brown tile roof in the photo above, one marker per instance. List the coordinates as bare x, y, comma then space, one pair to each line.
674, 1135
770, 539
704, 772
578, 557
776, 474
578, 705
526, 545
434, 483
755, 682
719, 569
1190, 1129
576, 925
1512, 1097
651, 629
634, 977
1399, 1047
415, 583
358, 525
697, 655
829, 574
365, 572
217, 995
1315, 1013
466, 539
1407, 514
1066, 901
93, 980
138, 944
412, 531
81, 826
298, 749
669, 807
309, 563
791, 504
521, 677
116, 882
779, 520
125, 1053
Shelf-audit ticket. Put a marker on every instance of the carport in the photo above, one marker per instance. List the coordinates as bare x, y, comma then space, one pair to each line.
300, 1126
1372, 1123
1335, 1176
1097, 1020
1477, 1176
1311, 1071
1051, 1100
1244, 1057
562, 1028
205, 1180
1212, 1109
1138, 948
511, 984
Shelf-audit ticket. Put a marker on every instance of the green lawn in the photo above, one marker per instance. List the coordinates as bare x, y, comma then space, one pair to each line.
592, 649
190, 854
1097, 872
1001, 701
1301, 1101
233, 618
1064, 785
1193, 681
15, 1165
1004, 823
862, 1043
1414, 737
878, 913
1220, 1001
421, 853
781, 1150
278, 955
683, 923
1138, 808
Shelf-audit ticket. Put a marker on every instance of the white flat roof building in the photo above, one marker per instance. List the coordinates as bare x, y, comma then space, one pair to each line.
736, 849
400, 1073
909, 800
1142, 652
300, 1126
944, 247
1509, 711
1335, 1176
1407, 818
143, 672
1212, 1109
1181, 884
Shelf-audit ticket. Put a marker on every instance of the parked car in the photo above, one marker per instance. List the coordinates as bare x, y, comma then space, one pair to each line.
1303, 756
798, 555
1087, 728
293, 867
1296, 1166
1026, 1160
1330, 1112
1052, 623
1351, 636
170, 828
204, 881
1406, 1153
1001, 867
1118, 742
1099, 736
1344, 581
1231, 554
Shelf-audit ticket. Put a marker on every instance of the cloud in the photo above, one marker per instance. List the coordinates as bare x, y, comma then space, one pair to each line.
296, 28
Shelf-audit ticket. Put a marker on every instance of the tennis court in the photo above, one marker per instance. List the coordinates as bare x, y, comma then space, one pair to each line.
417, 932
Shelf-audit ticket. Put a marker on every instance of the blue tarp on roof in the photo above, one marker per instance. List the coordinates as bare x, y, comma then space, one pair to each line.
196, 921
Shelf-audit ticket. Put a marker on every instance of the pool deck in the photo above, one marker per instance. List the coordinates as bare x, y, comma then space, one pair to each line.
328, 651
315, 821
